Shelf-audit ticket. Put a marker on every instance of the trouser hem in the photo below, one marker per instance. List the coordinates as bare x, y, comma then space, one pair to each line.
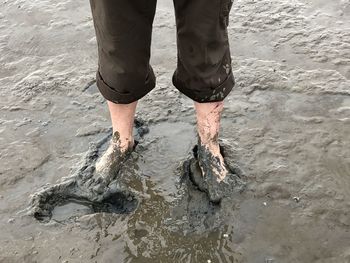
203, 95
111, 94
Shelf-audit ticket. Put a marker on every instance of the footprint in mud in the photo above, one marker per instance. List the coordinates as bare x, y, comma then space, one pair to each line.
89, 189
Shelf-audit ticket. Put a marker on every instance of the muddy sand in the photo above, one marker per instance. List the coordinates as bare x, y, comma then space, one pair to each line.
287, 124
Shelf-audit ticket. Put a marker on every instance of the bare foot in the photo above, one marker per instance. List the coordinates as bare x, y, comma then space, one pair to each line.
213, 171
212, 175
202, 170
210, 155
108, 167
87, 185
122, 142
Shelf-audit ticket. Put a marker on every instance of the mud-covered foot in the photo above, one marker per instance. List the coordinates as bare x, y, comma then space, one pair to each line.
118, 151
210, 174
88, 185
109, 165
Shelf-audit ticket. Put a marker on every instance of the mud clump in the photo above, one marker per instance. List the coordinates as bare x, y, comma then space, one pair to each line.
100, 192
208, 183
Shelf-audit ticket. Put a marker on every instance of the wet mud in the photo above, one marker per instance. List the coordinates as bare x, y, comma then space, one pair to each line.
201, 167
104, 190
89, 191
286, 123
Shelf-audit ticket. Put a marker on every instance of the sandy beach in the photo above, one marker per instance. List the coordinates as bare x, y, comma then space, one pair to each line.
287, 121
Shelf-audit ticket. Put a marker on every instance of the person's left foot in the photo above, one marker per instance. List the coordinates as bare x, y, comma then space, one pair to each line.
210, 174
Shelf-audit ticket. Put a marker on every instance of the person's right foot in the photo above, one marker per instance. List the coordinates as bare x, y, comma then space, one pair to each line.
88, 184
113, 156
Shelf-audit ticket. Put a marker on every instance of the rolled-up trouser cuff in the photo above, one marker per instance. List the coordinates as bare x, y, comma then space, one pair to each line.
203, 95
111, 94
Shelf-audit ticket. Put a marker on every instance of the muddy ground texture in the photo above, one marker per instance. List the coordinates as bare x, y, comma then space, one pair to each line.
286, 124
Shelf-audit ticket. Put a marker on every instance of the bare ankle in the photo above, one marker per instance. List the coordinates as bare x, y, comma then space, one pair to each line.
122, 116
211, 146
208, 125
123, 143
126, 144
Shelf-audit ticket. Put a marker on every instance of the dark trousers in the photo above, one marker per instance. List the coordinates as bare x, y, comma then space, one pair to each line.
123, 31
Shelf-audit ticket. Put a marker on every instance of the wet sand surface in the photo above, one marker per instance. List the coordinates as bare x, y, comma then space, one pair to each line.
287, 123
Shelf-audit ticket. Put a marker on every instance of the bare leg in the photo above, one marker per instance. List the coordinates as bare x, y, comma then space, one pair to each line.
122, 117
208, 125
